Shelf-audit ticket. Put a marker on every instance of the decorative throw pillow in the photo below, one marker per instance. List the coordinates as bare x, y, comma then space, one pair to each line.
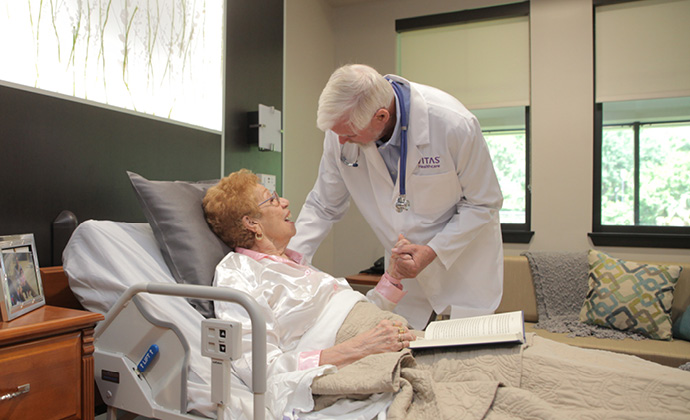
630, 296
190, 248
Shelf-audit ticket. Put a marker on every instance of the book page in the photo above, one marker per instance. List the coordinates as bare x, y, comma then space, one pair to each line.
495, 324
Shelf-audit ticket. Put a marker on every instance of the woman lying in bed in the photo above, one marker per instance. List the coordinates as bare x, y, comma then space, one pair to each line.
327, 343
304, 307
256, 224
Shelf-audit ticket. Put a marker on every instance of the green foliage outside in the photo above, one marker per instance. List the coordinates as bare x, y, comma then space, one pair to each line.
664, 184
508, 154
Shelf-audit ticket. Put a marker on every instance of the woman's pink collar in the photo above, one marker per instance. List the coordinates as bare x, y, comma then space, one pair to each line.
295, 257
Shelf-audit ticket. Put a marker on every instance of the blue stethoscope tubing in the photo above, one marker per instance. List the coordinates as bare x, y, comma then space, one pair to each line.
402, 202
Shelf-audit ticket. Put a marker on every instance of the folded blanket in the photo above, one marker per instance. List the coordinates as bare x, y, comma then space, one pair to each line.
439, 388
560, 285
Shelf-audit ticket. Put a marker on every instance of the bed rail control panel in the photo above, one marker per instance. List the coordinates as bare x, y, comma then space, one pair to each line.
221, 339
222, 342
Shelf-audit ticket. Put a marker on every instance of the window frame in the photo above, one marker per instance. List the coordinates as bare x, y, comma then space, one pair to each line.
512, 232
623, 235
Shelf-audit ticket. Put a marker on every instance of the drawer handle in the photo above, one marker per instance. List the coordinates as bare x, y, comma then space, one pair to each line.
21, 389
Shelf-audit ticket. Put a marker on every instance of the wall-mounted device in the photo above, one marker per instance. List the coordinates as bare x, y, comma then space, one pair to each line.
266, 128
268, 181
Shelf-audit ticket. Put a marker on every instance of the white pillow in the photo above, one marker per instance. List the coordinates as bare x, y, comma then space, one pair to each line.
103, 258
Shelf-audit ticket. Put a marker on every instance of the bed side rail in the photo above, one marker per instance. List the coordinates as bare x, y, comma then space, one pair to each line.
213, 293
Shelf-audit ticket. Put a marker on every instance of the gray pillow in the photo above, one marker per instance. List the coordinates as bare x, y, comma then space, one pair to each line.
190, 249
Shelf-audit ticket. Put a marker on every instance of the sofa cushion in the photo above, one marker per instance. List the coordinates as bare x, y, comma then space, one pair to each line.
630, 296
670, 353
681, 326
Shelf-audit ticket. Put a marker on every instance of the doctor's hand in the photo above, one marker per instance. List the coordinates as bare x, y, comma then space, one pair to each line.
410, 259
394, 269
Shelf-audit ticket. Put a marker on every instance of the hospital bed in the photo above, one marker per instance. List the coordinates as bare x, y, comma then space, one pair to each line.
117, 269
154, 354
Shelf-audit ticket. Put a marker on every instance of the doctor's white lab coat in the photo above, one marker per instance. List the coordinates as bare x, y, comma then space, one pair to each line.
454, 198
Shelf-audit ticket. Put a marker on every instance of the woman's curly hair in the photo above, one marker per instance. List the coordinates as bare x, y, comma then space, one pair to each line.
226, 203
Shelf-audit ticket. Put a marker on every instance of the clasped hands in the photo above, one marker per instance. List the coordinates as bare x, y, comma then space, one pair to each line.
408, 259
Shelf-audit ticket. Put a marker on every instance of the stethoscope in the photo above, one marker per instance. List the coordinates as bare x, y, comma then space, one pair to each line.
402, 203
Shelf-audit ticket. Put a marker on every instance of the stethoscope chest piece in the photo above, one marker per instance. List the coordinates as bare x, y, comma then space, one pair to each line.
402, 204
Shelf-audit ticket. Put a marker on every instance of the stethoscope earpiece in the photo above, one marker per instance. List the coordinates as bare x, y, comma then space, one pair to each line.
344, 159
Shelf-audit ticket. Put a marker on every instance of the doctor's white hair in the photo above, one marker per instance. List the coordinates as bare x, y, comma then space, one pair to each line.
355, 92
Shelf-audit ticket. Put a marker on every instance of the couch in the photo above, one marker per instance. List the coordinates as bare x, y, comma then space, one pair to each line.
519, 294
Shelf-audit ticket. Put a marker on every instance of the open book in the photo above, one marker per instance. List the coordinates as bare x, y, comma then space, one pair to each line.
496, 328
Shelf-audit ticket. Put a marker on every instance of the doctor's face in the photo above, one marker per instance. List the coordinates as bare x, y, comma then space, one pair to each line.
372, 132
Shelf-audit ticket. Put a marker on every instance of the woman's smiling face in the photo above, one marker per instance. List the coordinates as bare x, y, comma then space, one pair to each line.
275, 217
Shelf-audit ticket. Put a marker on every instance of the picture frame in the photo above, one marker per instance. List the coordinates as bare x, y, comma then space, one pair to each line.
20, 277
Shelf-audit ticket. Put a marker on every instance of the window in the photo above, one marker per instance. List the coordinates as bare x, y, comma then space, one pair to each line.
506, 131
644, 172
641, 124
482, 41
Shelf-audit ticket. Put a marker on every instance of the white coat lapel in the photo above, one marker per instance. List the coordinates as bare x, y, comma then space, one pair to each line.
379, 177
418, 134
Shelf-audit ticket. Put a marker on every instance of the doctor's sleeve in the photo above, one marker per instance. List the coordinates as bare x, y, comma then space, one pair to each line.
325, 205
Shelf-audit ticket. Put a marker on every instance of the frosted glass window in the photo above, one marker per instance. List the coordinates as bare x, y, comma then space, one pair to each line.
158, 57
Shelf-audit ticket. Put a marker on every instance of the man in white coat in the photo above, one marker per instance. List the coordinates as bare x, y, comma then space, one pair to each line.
429, 178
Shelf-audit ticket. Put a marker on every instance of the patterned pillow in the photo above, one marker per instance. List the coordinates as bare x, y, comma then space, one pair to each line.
630, 296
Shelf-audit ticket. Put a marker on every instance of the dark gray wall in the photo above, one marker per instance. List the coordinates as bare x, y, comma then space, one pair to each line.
63, 155
58, 154
254, 71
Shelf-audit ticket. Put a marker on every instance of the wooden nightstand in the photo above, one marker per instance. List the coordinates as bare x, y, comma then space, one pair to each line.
362, 282
46, 365
363, 279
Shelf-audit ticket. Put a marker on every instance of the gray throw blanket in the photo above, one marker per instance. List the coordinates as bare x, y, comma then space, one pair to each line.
561, 284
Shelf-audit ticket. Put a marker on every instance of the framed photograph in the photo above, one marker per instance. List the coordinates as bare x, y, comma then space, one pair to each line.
20, 278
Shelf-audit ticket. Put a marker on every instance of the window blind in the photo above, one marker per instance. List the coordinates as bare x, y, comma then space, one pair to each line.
484, 64
642, 50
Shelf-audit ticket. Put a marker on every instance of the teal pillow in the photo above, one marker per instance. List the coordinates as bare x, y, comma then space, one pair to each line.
681, 327
630, 296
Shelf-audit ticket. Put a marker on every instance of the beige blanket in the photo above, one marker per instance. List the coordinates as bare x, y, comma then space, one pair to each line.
539, 380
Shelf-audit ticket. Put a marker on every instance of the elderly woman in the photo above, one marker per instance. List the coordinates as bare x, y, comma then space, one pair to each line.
304, 307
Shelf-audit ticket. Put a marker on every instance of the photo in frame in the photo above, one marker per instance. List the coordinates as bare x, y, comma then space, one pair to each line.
20, 277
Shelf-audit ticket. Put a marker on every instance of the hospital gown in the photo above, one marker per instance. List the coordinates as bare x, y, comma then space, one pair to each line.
304, 308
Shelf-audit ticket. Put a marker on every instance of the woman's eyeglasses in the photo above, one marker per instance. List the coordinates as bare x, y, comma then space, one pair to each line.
274, 199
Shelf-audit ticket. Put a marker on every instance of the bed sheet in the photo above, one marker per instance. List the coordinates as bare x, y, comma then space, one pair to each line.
104, 258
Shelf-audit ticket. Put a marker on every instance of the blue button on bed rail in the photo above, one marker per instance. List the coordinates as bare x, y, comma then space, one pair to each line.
151, 354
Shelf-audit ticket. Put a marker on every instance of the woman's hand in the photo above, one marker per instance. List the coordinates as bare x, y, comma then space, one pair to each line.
385, 337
